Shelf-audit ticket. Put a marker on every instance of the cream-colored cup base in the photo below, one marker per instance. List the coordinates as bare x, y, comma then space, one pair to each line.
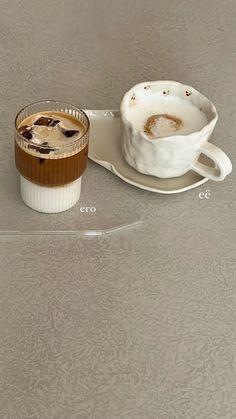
50, 199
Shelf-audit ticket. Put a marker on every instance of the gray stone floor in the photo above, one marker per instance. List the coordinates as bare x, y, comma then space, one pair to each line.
141, 324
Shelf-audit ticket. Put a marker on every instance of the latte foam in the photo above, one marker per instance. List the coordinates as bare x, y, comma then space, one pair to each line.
165, 116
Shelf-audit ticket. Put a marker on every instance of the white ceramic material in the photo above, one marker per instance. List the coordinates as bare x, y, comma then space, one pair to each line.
105, 150
174, 155
50, 199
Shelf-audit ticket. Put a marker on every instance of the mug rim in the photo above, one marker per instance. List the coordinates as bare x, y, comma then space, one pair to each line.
211, 123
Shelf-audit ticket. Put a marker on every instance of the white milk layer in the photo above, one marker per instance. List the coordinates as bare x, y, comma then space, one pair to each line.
50, 199
192, 118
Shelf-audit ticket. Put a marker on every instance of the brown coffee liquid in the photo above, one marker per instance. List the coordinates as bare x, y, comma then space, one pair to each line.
45, 170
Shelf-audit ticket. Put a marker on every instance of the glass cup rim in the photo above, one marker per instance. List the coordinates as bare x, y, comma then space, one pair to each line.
53, 101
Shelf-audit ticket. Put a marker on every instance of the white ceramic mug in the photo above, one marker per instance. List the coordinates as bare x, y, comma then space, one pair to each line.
189, 130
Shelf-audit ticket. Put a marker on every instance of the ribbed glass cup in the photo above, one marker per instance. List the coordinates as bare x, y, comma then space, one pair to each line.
57, 168
67, 162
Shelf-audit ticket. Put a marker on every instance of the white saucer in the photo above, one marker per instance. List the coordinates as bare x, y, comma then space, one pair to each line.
105, 149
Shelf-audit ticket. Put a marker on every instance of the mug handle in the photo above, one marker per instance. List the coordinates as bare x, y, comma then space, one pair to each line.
223, 165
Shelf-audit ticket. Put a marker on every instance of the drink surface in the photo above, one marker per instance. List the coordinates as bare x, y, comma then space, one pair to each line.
54, 148
163, 117
51, 134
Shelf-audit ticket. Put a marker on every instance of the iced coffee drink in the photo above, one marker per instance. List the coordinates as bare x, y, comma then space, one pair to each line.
51, 152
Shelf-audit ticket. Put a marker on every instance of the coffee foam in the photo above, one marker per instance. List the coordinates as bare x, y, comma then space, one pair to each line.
51, 138
160, 125
160, 116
